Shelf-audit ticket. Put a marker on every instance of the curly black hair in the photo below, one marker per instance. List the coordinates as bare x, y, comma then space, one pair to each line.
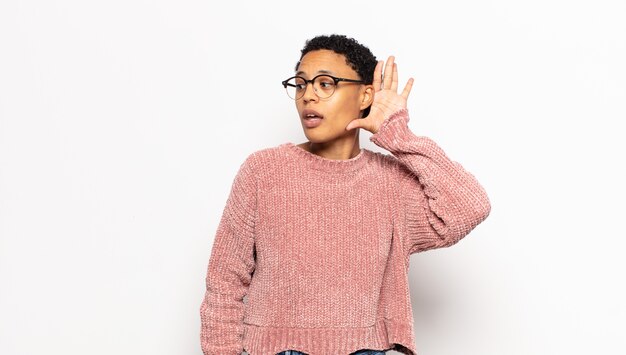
358, 56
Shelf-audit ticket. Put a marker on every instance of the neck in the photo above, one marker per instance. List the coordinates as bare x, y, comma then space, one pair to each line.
334, 150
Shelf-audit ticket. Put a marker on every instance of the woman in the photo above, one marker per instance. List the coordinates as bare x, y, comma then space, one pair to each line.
318, 235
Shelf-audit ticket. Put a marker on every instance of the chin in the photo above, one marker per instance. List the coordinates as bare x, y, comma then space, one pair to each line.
315, 137
324, 137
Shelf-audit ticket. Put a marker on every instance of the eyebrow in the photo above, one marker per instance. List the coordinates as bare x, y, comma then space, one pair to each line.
319, 72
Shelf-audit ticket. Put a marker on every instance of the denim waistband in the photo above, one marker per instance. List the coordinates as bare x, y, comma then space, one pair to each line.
358, 352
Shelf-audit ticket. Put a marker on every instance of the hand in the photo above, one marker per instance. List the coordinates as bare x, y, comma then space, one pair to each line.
386, 98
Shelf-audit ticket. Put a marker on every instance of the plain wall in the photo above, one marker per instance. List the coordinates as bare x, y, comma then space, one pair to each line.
123, 123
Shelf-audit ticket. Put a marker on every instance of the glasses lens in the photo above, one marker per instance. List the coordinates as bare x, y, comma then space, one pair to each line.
324, 86
295, 88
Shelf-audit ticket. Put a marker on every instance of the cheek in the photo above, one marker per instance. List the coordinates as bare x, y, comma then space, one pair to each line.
346, 106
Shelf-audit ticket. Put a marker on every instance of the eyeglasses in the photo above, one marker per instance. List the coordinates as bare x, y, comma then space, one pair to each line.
323, 85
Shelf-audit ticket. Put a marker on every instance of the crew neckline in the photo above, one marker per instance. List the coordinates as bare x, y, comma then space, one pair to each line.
328, 165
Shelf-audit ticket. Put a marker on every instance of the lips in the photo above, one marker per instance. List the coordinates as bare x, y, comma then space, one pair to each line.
308, 114
311, 118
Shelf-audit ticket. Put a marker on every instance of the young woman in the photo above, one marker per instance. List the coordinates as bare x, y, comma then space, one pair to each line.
317, 236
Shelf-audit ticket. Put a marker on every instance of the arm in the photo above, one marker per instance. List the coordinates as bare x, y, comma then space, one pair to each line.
230, 269
441, 201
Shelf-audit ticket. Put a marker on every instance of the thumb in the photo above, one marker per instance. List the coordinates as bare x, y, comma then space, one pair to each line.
357, 123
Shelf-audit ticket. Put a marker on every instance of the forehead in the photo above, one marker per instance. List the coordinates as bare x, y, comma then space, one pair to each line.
324, 61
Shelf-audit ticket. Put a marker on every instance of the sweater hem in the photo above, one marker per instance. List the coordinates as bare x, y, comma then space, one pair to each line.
383, 335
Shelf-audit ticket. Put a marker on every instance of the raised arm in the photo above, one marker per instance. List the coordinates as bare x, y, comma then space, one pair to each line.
440, 200
230, 269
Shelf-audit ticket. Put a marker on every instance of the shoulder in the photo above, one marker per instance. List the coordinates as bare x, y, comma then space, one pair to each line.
393, 168
383, 160
266, 155
264, 158
387, 162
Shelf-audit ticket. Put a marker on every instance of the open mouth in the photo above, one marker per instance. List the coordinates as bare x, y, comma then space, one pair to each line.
311, 118
311, 115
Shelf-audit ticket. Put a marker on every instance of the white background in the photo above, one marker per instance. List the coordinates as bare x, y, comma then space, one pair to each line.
123, 123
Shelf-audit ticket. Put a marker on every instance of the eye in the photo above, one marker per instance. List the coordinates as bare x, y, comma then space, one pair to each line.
326, 84
299, 83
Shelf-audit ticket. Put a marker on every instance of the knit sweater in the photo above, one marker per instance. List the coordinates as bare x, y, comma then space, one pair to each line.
320, 248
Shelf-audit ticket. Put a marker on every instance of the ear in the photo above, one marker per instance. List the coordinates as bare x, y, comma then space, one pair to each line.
367, 97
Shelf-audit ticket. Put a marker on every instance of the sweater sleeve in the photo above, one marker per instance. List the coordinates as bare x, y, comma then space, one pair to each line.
440, 201
230, 269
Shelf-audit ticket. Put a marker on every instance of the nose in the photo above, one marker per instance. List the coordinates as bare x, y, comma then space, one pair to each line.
309, 94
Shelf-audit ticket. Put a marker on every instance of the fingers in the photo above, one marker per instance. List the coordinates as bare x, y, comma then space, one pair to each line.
388, 76
407, 89
378, 75
394, 79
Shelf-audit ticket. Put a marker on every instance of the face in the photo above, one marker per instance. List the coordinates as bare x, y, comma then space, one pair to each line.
338, 110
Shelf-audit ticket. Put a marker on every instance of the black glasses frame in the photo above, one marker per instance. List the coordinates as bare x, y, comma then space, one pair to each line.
311, 81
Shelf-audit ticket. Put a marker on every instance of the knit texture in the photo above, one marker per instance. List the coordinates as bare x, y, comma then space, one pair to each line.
320, 248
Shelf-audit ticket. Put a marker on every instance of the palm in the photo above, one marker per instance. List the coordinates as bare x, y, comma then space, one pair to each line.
386, 97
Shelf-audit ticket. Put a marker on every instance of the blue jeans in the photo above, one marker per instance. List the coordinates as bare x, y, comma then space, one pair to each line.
358, 352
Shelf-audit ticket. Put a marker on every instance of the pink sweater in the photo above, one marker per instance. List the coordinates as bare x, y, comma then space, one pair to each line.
321, 247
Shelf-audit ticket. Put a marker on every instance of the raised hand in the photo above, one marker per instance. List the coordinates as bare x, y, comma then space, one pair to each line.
386, 97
